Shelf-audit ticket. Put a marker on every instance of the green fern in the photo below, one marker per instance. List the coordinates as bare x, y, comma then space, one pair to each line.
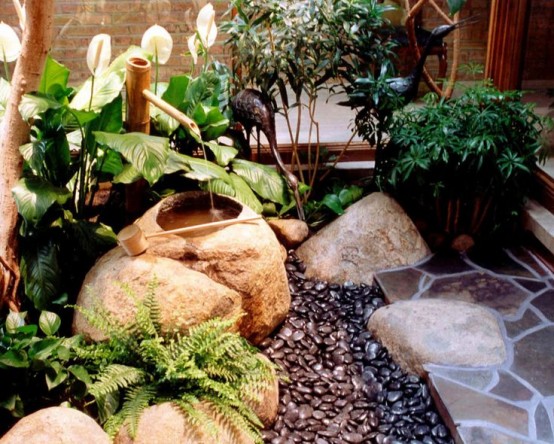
138, 366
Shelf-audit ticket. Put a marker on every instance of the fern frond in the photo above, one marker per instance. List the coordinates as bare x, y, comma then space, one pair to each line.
114, 378
239, 421
151, 303
197, 417
136, 400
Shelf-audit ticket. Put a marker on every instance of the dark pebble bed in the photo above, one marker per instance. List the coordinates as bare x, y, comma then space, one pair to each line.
341, 384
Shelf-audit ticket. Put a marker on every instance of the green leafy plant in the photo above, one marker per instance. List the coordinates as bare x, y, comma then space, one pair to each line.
332, 204
298, 48
139, 365
36, 366
63, 167
467, 161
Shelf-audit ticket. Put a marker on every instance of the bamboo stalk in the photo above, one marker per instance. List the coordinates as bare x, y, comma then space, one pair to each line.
182, 118
138, 109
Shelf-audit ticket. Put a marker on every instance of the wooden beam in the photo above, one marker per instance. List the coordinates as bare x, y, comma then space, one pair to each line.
505, 49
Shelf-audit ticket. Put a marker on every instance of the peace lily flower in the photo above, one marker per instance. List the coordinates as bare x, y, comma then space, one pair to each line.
10, 46
205, 25
158, 41
193, 45
20, 14
99, 54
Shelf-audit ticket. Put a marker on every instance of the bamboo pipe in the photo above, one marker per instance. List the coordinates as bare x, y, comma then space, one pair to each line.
182, 118
139, 98
134, 241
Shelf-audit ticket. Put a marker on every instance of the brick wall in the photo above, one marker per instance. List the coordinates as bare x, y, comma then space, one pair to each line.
77, 21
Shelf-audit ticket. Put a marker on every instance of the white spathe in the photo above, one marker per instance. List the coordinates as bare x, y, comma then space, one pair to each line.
10, 46
205, 25
99, 54
158, 41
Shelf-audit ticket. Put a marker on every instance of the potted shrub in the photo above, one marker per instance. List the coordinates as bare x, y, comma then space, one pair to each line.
464, 164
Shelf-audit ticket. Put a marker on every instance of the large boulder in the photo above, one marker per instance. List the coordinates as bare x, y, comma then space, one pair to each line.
166, 424
185, 297
245, 258
60, 425
374, 234
442, 332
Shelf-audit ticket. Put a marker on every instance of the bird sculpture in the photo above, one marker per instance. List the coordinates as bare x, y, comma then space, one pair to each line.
251, 108
407, 87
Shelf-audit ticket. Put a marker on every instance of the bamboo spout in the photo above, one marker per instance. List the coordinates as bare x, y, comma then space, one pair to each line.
139, 98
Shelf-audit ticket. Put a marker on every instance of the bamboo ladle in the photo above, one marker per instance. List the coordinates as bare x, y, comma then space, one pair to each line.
134, 241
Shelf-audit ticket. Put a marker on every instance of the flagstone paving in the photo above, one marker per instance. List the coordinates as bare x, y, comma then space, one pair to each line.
508, 403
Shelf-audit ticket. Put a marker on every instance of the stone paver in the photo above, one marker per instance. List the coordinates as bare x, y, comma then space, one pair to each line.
512, 402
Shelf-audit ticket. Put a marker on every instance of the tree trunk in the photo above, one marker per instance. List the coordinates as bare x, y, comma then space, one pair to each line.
14, 132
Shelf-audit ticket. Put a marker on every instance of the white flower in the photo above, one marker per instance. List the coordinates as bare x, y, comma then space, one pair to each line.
205, 25
99, 54
10, 46
157, 41
20, 14
193, 48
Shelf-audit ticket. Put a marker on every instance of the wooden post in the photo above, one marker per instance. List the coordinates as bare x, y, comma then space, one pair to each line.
507, 30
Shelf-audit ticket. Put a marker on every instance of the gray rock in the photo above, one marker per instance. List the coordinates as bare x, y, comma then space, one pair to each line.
438, 332
290, 232
373, 234
56, 425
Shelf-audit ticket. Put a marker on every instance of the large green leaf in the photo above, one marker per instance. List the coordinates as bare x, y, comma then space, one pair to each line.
111, 117
14, 358
147, 154
4, 94
455, 5
34, 104
175, 92
244, 193
34, 196
91, 238
40, 272
128, 174
106, 86
54, 76
223, 154
263, 179
196, 169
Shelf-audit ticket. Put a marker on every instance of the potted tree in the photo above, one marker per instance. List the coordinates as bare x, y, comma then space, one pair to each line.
465, 164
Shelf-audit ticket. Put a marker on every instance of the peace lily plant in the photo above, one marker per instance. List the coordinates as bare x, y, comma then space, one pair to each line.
78, 141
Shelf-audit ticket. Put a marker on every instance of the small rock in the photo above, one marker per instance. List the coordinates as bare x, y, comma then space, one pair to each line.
290, 232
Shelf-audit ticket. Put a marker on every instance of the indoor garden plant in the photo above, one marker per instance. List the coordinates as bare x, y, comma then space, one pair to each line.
465, 164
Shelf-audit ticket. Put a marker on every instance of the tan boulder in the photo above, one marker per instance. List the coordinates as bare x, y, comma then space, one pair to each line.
246, 258
185, 297
290, 232
438, 331
373, 234
59, 425
165, 423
